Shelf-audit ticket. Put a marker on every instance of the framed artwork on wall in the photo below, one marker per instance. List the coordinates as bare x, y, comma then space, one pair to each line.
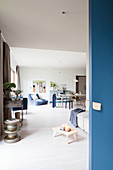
39, 86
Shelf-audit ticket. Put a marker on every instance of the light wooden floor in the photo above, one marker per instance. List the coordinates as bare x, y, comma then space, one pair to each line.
38, 150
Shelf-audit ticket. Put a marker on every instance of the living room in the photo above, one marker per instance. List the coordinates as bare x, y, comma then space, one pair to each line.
22, 26
59, 65
44, 117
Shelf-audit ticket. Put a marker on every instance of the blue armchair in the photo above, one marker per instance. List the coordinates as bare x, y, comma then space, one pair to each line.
25, 106
34, 99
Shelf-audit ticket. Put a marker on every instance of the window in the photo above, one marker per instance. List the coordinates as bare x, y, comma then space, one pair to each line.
12, 76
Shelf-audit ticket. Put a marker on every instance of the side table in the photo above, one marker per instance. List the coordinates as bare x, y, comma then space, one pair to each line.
11, 131
18, 103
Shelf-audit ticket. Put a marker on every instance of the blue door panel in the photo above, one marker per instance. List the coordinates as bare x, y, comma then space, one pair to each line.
101, 84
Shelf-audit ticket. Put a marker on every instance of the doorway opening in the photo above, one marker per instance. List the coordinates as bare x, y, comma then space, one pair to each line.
54, 64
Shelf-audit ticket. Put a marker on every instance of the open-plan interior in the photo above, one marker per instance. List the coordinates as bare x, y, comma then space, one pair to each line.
54, 120
44, 118
52, 84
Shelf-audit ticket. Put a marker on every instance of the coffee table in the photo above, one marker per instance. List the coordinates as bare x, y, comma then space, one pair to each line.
67, 134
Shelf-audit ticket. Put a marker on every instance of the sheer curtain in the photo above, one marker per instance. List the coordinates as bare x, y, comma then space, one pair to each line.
18, 78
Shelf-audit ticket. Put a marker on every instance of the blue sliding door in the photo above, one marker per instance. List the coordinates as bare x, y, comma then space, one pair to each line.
101, 83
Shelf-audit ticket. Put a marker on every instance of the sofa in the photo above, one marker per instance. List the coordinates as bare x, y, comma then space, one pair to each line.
34, 99
83, 120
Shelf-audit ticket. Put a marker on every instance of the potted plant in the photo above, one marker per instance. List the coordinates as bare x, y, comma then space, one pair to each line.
52, 85
17, 92
7, 87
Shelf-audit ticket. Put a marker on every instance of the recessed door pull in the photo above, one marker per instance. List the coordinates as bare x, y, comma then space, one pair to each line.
96, 106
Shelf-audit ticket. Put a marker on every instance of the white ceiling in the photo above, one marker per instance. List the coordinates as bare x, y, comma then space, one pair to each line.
40, 24
26, 57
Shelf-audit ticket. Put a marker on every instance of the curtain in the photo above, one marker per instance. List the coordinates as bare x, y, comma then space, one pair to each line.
1, 85
7, 66
18, 78
6, 74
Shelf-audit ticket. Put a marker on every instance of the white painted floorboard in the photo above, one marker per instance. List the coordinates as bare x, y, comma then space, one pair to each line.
38, 150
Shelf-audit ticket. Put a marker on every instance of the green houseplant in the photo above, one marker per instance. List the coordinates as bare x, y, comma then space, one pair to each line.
17, 92
7, 87
52, 85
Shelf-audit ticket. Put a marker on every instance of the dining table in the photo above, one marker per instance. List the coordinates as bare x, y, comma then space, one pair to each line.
69, 98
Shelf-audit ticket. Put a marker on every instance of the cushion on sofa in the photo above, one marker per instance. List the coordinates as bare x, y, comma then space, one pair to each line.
33, 96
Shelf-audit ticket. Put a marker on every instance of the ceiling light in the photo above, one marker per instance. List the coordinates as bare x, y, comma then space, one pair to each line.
63, 12
75, 80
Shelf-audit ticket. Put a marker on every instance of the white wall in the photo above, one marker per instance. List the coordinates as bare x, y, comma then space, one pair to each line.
13, 63
87, 55
58, 76
87, 77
